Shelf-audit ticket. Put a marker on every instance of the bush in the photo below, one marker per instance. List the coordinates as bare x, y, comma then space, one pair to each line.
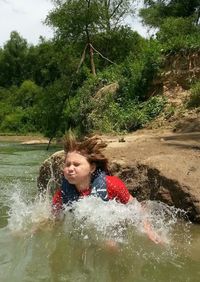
138, 73
5, 110
13, 121
105, 116
194, 101
126, 110
19, 121
179, 33
20, 108
108, 116
138, 115
77, 112
27, 94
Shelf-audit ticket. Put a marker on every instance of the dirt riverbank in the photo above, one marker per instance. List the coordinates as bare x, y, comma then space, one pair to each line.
154, 164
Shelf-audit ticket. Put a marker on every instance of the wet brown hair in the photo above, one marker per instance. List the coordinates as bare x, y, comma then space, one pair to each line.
89, 147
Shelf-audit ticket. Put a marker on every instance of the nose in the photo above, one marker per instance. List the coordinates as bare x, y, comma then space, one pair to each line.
70, 168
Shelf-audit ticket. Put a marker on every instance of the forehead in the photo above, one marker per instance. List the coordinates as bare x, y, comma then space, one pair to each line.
75, 156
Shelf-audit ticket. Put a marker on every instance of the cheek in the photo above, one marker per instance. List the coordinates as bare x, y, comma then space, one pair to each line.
65, 171
83, 171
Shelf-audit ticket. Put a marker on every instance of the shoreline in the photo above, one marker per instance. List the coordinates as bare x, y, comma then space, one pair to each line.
26, 139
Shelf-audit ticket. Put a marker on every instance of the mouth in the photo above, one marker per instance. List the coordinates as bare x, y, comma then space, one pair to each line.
71, 175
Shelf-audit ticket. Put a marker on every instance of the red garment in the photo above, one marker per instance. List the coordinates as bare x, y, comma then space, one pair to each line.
116, 189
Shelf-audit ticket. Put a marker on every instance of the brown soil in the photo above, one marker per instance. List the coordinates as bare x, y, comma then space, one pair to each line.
161, 165
156, 146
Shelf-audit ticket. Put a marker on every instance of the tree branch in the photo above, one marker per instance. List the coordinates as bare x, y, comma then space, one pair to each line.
119, 4
101, 55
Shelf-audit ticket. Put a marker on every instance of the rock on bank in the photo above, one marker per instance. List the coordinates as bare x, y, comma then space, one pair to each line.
154, 165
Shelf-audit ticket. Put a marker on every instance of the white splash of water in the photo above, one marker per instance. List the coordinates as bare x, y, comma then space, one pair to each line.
111, 219
27, 216
91, 215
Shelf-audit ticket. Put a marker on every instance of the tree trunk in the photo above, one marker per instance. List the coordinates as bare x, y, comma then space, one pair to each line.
92, 60
50, 139
91, 52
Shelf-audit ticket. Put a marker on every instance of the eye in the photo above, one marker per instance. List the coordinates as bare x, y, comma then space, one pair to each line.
68, 164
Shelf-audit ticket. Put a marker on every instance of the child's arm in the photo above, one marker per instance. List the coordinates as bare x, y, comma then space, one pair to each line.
57, 201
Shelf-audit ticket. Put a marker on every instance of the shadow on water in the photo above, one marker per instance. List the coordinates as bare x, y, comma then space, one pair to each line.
184, 146
195, 136
190, 141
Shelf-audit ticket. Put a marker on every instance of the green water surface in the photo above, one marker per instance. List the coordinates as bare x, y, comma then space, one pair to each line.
54, 254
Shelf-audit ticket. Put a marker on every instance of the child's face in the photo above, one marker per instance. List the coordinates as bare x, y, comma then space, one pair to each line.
77, 169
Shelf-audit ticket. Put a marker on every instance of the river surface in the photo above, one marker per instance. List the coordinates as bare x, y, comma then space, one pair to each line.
95, 241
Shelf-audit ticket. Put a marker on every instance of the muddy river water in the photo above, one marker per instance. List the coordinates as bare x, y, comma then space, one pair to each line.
34, 247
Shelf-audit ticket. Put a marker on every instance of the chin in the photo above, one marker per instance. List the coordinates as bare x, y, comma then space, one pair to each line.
71, 181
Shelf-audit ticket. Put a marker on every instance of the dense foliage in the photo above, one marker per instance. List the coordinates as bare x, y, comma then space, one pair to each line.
53, 86
156, 12
177, 22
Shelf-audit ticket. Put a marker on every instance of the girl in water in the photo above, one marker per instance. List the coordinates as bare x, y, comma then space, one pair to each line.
86, 173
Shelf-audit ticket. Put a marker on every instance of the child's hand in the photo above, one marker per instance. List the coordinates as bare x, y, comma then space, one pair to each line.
153, 236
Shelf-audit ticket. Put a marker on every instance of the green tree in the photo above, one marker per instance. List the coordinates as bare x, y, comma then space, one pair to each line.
27, 95
117, 45
50, 108
5, 105
13, 61
80, 20
156, 11
179, 33
20, 108
44, 62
